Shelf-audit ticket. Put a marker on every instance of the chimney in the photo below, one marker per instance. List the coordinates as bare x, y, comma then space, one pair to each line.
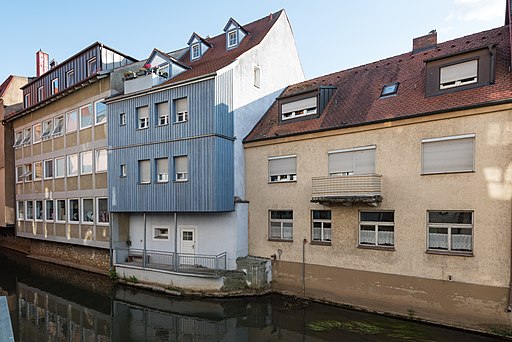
53, 63
42, 64
424, 43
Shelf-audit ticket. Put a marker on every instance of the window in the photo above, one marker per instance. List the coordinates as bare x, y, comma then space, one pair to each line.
18, 139
122, 119
281, 224
36, 130
73, 210
55, 86
58, 125
71, 121
163, 71
160, 233
352, 161
38, 170
39, 211
389, 89
162, 110
377, 228
181, 168
72, 165
448, 154
59, 167
123, 170
87, 210
48, 169
47, 129
85, 162
181, 106
91, 66
321, 225
26, 100
102, 211
49, 213
196, 51
20, 174
458, 74
61, 210
86, 116
143, 117
256, 76
299, 108
70, 78
162, 170
40, 93
100, 112
101, 160
282, 169
29, 211
144, 171
232, 38
27, 134
21, 210
28, 172
450, 231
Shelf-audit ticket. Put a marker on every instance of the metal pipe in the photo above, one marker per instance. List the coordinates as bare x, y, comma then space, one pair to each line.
175, 241
111, 256
304, 266
144, 251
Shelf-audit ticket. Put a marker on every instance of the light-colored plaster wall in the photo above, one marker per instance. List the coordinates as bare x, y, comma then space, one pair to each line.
487, 192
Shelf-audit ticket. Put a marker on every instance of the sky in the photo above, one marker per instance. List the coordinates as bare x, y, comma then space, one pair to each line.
331, 35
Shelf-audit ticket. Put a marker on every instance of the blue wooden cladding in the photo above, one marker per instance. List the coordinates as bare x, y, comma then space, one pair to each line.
206, 138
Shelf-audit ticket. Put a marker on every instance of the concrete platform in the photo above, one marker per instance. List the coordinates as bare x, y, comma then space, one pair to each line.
6, 333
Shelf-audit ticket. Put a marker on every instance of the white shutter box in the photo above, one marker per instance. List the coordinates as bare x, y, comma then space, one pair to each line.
459, 71
143, 112
340, 162
180, 164
298, 105
282, 166
181, 105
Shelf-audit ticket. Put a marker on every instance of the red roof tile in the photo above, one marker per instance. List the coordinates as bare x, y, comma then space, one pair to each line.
356, 99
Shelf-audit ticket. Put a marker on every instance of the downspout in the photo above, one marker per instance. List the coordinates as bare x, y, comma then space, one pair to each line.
110, 242
509, 306
144, 251
175, 241
304, 242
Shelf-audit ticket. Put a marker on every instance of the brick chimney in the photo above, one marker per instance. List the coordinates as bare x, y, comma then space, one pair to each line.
425, 43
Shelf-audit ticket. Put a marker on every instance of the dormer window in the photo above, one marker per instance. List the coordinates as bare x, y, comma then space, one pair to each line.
299, 108
458, 74
163, 71
40, 92
26, 100
196, 51
389, 89
232, 38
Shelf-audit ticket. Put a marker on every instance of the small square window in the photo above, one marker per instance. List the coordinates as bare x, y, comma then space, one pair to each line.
389, 89
282, 169
450, 231
377, 228
160, 233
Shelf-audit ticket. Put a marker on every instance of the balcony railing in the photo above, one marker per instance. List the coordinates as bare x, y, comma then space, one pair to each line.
169, 261
347, 189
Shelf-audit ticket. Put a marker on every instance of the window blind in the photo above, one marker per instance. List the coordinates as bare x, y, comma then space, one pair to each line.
180, 164
459, 71
298, 105
453, 155
282, 166
359, 162
181, 105
143, 112
144, 171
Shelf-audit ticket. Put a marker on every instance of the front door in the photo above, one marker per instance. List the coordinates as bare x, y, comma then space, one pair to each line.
188, 240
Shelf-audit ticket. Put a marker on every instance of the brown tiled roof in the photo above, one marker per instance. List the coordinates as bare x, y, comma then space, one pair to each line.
356, 99
217, 57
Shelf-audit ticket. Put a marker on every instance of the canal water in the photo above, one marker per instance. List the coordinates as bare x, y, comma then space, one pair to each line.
54, 303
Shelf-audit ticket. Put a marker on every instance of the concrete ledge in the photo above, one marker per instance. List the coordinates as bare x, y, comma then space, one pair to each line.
6, 333
68, 264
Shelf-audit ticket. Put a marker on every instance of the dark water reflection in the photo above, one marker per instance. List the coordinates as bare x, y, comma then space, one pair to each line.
52, 303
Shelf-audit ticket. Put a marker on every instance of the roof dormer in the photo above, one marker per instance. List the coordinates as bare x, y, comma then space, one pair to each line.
235, 33
198, 46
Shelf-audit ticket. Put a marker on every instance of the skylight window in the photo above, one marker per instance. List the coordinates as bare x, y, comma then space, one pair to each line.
389, 89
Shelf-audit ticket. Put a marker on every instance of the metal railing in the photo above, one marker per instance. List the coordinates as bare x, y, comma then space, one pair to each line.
170, 261
346, 188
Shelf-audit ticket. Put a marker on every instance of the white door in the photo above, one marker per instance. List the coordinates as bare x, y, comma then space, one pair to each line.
188, 240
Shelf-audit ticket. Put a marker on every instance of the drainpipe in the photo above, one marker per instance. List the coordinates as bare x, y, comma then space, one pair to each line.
304, 242
110, 242
509, 306
175, 241
144, 251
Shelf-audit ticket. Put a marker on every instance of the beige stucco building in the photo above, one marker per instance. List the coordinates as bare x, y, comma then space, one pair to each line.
388, 186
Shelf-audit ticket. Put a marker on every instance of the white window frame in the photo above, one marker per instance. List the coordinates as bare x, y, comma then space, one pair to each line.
69, 209
68, 116
40, 93
35, 177
27, 136
51, 219
91, 111
181, 116
55, 169
324, 237
97, 163
26, 100
18, 139
47, 129
90, 63
27, 218
98, 215
376, 225
142, 163
447, 138
27, 168
20, 174
82, 213
180, 176
122, 119
449, 227
83, 157
56, 132
20, 214
162, 119
142, 121
68, 74
57, 210
95, 106
257, 76
53, 91
281, 223
69, 172
42, 210
36, 137
122, 171
232, 34
281, 178
45, 172
162, 177
195, 51
159, 235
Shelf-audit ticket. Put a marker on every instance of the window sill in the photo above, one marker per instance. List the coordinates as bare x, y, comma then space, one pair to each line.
453, 253
280, 182
141, 128
279, 240
162, 182
103, 224
446, 172
320, 243
82, 128
74, 222
100, 123
60, 222
179, 122
180, 181
144, 183
379, 248
87, 223
100, 171
162, 125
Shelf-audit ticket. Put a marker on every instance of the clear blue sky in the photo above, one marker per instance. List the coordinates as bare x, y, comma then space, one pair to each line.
331, 35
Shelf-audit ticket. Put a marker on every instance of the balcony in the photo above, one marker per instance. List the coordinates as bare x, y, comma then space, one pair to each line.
347, 189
